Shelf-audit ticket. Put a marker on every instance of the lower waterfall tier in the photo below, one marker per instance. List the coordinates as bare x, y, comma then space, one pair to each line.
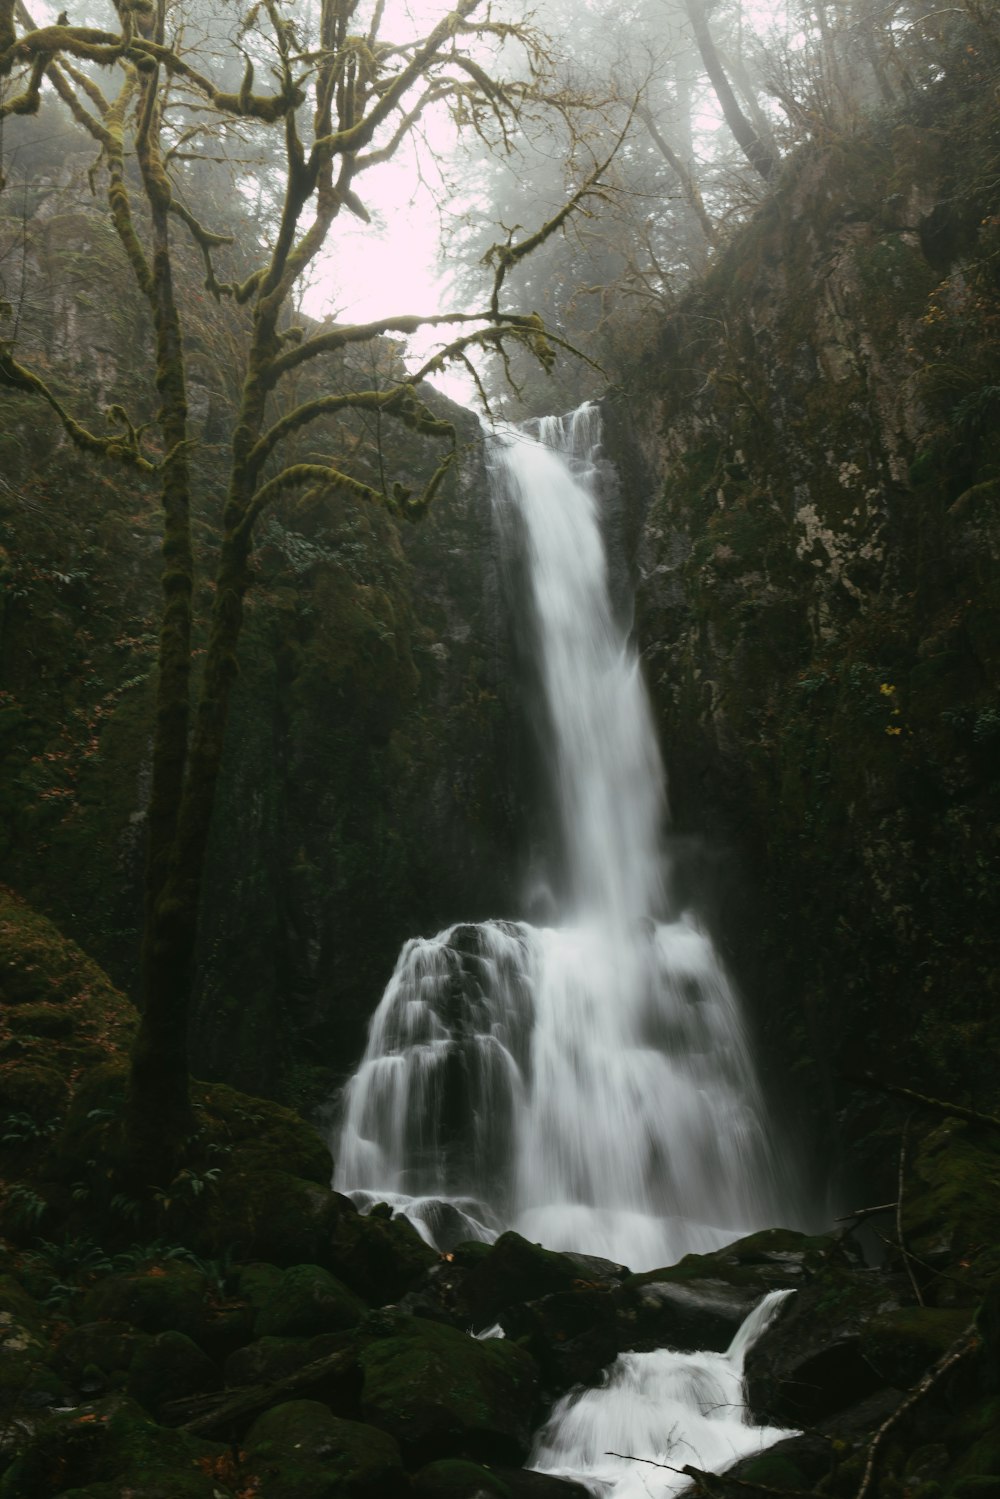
589, 1086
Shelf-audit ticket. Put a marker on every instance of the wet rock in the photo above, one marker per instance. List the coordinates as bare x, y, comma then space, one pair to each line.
300, 1451
379, 1258
685, 1314
810, 1362
449, 1479
572, 1335
441, 1393
512, 1271
702, 1301
902, 1344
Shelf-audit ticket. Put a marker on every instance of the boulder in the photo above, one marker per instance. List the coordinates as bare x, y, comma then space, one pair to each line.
298, 1302
109, 1447
810, 1362
267, 1360
299, 1450
509, 1272
165, 1297
169, 1367
441, 1393
454, 1479
380, 1258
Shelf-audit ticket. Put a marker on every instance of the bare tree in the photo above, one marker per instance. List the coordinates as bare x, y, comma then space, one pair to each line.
342, 100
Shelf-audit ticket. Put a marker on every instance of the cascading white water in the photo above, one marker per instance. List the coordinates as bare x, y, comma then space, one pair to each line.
666, 1408
589, 1083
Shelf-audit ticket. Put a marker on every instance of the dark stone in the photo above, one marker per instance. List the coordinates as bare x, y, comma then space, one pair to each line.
267, 1360
169, 1367
441, 1393
512, 1271
298, 1450
380, 1259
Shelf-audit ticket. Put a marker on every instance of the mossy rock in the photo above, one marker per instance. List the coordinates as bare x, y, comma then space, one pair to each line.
453, 1479
112, 1443
379, 1258
306, 1299
105, 1348
808, 1364
901, 1345
951, 1208
271, 1216
79, 1019
28, 1375
976, 1486
170, 1367
162, 1298
267, 1360
442, 1393
261, 1136
514, 1270
299, 1450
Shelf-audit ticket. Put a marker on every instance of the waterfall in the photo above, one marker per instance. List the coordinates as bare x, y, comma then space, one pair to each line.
672, 1409
588, 1083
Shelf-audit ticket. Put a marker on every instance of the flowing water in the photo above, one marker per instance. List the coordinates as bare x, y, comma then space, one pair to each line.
588, 1083
671, 1409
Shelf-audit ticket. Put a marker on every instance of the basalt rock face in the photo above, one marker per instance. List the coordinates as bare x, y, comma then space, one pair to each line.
811, 444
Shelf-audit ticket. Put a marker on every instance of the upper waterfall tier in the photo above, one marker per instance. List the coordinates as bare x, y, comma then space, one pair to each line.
605, 765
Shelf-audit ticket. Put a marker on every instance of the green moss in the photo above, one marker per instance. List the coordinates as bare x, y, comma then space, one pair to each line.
302, 1451
441, 1392
453, 1479
111, 1442
902, 1345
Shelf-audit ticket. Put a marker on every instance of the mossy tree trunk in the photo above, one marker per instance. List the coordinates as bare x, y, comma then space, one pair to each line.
343, 108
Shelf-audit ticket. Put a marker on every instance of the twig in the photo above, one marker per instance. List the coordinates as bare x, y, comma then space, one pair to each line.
940, 1105
859, 1214
963, 1345
707, 1479
899, 1211
232, 1406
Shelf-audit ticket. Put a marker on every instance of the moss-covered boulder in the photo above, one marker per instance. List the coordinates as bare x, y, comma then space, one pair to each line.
451, 1478
379, 1257
170, 1296
299, 1302
170, 1367
513, 1270
271, 1216
903, 1343
260, 1135
951, 1210
267, 1360
442, 1393
112, 1443
30, 1378
809, 1364
701, 1301
299, 1450
99, 1354
572, 1335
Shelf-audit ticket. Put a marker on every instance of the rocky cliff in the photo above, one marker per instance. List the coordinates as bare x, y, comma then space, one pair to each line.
812, 438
